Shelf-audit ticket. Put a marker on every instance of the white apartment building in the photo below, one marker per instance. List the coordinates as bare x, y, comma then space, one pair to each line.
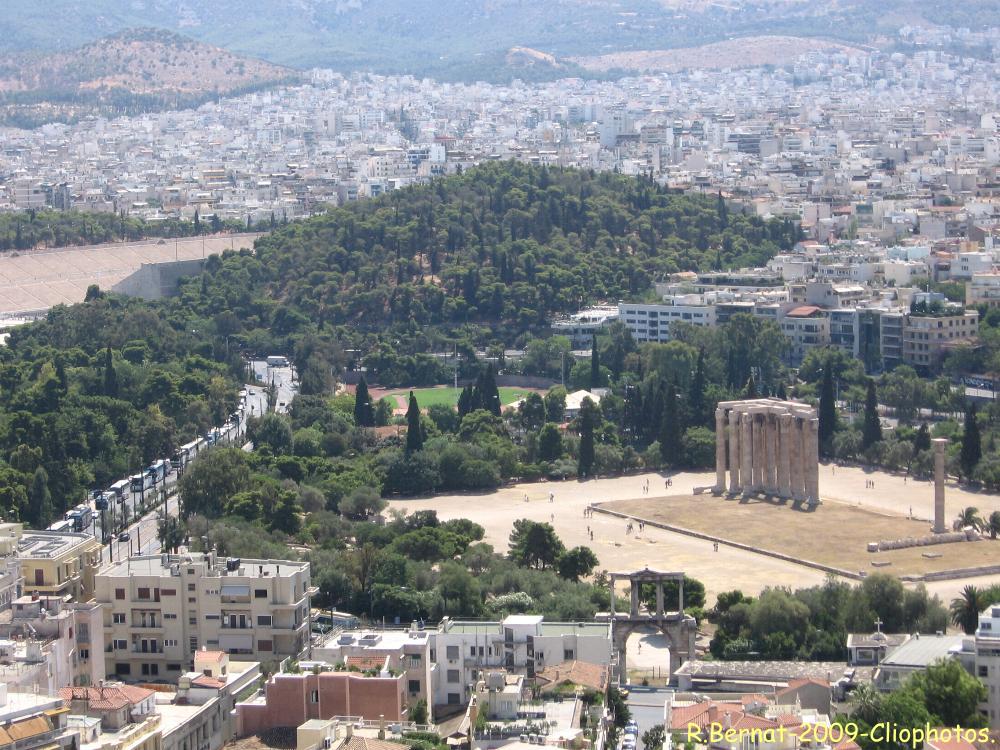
651, 322
983, 289
159, 610
462, 650
987, 646
581, 327
966, 265
926, 338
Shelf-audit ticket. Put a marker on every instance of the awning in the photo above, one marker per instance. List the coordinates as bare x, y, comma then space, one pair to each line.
241, 642
235, 590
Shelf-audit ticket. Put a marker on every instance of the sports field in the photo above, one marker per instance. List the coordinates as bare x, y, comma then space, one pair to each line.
448, 396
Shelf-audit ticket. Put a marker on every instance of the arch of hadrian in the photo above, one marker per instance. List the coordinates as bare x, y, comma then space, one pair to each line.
772, 448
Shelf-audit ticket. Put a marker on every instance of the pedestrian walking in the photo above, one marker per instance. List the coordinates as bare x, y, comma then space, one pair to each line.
552, 497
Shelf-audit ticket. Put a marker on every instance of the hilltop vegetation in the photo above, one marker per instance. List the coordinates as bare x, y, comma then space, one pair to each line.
133, 71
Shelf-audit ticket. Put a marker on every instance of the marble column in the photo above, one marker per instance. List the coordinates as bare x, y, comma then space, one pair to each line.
939, 448
771, 467
659, 599
634, 603
812, 461
784, 464
746, 453
735, 457
795, 459
758, 454
720, 451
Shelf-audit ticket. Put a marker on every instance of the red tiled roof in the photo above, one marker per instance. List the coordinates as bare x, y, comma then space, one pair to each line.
106, 697
207, 682
803, 311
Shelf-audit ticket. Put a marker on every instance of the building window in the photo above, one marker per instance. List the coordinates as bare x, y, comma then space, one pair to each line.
193, 643
260, 593
143, 593
265, 646
415, 659
472, 650
123, 668
452, 652
264, 620
414, 686
119, 594
314, 696
190, 587
84, 654
193, 620
984, 671
173, 667
120, 644
568, 654
168, 592
118, 618
454, 699
453, 675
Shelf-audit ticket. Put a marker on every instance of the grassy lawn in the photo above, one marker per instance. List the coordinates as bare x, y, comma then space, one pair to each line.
427, 397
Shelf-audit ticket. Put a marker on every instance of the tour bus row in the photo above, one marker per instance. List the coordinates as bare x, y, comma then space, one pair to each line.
80, 517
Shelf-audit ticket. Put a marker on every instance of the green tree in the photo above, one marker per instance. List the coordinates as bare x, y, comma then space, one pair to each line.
827, 412
576, 563
671, 430
110, 375
589, 419
972, 449
534, 545
418, 714
40, 498
275, 432
922, 440
209, 481
993, 524
965, 609
950, 693
550, 444
872, 432
652, 738
363, 412
595, 365
362, 503
555, 404
414, 431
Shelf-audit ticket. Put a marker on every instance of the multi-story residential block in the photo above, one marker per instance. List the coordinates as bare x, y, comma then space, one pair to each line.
651, 322
983, 289
806, 327
62, 643
11, 578
405, 651
518, 643
928, 336
987, 648
55, 563
160, 610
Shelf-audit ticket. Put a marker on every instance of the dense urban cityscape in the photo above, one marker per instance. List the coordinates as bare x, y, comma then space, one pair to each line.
635, 398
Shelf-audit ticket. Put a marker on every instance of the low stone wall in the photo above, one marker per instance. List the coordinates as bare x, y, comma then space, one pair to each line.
967, 535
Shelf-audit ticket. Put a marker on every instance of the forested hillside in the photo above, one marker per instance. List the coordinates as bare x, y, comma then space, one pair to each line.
497, 252
484, 257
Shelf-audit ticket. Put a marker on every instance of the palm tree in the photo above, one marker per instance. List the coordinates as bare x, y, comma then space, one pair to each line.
867, 702
968, 517
965, 609
993, 524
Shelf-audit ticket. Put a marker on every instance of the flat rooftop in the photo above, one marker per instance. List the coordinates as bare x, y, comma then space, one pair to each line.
923, 650
771, 671
153, 565
49, 544
20, 705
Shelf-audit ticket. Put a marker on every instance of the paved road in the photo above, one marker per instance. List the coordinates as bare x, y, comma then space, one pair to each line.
143, 533
646, 705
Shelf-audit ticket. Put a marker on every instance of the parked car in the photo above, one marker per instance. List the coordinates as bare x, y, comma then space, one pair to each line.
124, 536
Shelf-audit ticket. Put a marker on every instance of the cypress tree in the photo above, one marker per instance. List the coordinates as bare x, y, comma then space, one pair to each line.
696, 392
922, 441
110, 376
595, 365
490, 394
827, 411
588, 421
671, 429
363, 413
750, 389
414, 433
40, 498
972, 448
873, 427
